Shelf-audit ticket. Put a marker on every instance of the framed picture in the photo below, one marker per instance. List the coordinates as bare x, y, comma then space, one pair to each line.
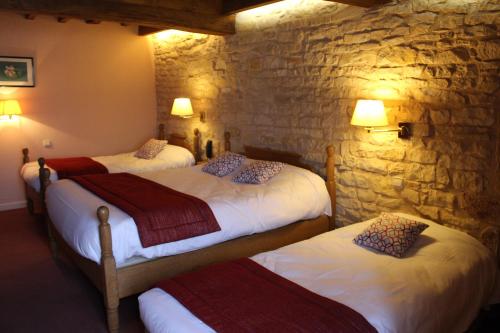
16, 72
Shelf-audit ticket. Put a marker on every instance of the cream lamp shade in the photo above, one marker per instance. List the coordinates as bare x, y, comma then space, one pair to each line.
10, 108
182, 108
369, 113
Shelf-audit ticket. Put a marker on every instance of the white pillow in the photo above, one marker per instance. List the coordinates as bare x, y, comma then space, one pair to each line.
150, 149
180, 156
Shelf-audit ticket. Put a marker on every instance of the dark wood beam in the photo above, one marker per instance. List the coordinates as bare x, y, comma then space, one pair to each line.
92, 21
183, 15
144, 31
362, 3
236, 6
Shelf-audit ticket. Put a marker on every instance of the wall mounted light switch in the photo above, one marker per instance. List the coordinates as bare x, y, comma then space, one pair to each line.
47, 143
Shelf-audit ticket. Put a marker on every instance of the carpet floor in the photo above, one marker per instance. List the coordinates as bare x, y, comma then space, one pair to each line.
38, 294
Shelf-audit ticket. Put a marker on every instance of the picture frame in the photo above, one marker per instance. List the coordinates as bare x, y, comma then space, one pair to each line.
17, 72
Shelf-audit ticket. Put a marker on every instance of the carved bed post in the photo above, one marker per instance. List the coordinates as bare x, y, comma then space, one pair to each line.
26, 157
330, 182
44, 176
161, 132
197, 145
29, 202
109, 275
227, 141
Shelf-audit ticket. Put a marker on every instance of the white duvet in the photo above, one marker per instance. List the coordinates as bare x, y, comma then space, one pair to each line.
240, 209
170, 157
439, 287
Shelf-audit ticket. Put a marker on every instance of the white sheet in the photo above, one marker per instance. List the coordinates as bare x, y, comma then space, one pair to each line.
170, 157
439, 287
240, 209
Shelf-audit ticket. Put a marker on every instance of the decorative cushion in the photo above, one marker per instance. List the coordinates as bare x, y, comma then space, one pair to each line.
224, 164
150, 149
391, 234
258, 172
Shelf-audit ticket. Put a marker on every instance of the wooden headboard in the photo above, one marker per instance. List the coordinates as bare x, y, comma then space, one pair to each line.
181, 140
268, 154
296, 160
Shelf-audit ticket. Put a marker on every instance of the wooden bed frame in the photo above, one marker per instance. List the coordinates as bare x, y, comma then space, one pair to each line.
116, 283
35, 200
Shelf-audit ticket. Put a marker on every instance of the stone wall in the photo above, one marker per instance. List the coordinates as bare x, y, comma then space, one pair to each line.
291, 75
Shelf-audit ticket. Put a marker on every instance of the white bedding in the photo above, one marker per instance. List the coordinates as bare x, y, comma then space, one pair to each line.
170, 157
439, 287
240, 209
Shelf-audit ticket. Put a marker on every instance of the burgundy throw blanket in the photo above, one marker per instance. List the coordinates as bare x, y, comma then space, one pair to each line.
243, 296
161, 214
75, 166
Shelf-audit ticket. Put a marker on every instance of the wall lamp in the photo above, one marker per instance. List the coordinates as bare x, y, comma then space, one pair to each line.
370, 113
9, 108
182, 108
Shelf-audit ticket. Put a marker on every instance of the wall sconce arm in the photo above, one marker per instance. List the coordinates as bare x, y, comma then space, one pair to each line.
404, 130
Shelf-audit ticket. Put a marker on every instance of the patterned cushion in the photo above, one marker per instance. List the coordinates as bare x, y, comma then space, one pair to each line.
150, 149
391, 234
223, 165
258, 172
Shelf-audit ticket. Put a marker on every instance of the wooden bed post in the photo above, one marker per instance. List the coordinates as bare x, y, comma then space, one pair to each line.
330, 182
44, 176
29, 201
26, 157
227, 141
197, 145
109, 274
161, 132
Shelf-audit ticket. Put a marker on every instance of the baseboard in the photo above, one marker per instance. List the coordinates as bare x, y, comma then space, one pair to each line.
12, 205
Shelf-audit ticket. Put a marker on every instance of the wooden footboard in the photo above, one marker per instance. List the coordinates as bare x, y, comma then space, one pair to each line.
116, 283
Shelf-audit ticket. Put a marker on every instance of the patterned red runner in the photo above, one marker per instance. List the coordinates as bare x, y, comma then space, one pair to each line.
161, 214
75, 166
243, 296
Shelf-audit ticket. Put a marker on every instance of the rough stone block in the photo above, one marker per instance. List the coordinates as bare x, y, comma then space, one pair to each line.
372, 165
440, 117
423, 173
441, 199
422, 156
431, 213
365, 195
411, 195
471, 182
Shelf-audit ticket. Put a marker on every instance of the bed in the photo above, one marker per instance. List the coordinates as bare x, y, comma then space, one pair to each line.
178, 153
119, 270
427, 291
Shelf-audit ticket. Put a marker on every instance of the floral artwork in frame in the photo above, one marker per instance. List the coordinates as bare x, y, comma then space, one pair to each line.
16, 72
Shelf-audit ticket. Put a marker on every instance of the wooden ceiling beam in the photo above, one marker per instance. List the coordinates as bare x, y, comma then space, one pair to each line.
159, 17
236, 6
362, 3
92, 21
144, 31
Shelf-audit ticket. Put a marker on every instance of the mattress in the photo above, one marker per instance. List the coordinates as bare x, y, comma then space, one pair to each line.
438, 287
170, 157
240, 209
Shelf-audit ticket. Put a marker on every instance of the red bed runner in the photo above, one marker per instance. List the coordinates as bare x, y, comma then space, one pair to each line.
161, 214
243, 296
75, 166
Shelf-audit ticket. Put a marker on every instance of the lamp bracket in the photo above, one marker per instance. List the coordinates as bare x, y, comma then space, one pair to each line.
404, 130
